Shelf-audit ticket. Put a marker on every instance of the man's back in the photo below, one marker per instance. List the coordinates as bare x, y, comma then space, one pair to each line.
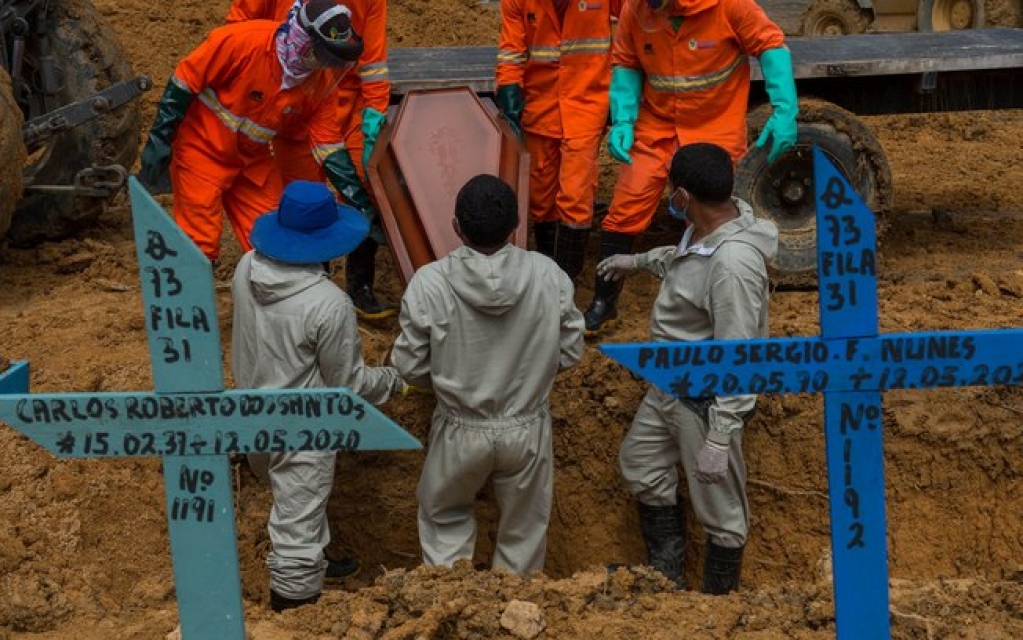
277, 309
489, 332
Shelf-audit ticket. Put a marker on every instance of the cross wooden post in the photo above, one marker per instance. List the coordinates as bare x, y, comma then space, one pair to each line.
192, 422
851, 365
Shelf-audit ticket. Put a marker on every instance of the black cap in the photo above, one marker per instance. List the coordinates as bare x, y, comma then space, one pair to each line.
335, 43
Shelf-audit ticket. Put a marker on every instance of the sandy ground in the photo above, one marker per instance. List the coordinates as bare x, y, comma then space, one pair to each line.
83, 543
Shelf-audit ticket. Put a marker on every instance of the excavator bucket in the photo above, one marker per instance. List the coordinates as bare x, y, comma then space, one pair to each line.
432, 144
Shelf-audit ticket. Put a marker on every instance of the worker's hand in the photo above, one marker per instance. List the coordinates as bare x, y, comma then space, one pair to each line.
712, 462
156, 156
780, 84
619, 141
782, 132
155, 171
511, 102
613, 268
372, 123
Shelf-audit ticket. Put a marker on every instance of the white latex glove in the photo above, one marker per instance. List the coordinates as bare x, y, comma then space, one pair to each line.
712, 463
613, 268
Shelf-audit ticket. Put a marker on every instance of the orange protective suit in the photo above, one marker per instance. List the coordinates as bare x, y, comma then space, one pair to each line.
695, 89
562, 65
370, 87
221, 156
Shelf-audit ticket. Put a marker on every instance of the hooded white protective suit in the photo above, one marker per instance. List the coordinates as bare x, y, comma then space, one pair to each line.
294, 328
488, 333
714, 290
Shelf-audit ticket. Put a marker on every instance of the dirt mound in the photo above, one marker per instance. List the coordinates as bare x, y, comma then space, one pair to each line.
83, 543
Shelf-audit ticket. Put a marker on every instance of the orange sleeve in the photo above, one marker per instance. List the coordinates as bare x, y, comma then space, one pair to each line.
215, 60
325, 135
623, 47
756, 32
241, 10
512, 49
373, 71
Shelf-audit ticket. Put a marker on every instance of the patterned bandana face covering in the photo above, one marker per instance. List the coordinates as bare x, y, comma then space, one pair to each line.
294, 49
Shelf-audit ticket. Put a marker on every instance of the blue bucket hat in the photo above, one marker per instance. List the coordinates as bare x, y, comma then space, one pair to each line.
309, 226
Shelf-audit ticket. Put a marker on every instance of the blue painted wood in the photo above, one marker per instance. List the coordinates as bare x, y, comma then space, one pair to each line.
851, 365
192, 422
178, 301
91, 425
846, 255
204, 548
184, 350
15, 379
859, 552
847, 282
818, 364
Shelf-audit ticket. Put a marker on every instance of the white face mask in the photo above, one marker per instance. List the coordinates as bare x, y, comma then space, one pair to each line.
675, 213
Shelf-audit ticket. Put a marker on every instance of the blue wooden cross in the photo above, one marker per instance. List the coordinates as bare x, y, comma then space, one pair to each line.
851, 365
192, 422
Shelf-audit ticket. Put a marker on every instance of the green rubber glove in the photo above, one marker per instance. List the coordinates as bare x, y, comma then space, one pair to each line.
781, 127
340, 171
372, 123
511, 103
156, 156
626, 91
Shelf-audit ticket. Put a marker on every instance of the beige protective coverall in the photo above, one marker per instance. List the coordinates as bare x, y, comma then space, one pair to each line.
488, 333
293, 329
716, 289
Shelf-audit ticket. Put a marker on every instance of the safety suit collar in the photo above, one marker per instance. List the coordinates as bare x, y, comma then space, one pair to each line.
690, 7
552, 13
760, 234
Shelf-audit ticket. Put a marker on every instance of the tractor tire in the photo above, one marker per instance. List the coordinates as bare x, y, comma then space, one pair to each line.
89, 59
12, 153
949, 15
784, 190
834, 18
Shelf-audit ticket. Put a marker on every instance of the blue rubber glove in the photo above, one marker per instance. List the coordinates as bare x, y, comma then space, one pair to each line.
626, 90
781, 128
372, 122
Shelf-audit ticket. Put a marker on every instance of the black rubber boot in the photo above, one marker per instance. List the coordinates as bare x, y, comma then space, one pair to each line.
279, 603
544, 233
570, 250
360, 271
664, 532
721, 569
340, 568
605, 293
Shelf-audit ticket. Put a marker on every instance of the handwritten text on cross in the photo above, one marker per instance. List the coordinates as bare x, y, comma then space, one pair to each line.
851, 365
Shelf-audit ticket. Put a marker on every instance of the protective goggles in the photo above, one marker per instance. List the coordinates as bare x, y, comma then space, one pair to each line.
331, 47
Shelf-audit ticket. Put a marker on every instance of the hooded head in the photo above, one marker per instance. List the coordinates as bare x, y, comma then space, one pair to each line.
486, 212
335, 43
308, 227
